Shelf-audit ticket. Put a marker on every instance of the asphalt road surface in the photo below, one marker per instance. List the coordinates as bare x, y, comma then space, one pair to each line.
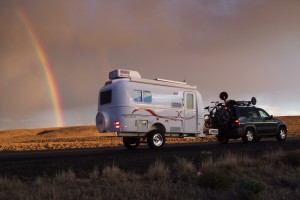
30, 164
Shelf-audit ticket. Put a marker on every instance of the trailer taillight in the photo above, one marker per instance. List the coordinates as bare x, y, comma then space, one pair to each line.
117, 124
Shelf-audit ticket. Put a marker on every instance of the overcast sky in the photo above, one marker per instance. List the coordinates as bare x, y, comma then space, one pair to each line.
245, 47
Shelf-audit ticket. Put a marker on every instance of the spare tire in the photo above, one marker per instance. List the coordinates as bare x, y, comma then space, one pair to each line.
102, 121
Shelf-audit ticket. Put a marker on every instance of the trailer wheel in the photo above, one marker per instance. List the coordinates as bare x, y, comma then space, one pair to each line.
156, 139
131, 142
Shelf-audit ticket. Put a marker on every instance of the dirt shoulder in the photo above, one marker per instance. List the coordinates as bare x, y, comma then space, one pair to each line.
88, 137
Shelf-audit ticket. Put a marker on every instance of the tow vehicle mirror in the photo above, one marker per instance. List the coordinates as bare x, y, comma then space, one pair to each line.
271, 117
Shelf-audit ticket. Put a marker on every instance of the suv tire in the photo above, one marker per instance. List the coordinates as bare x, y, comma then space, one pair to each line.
248, 135
281, 135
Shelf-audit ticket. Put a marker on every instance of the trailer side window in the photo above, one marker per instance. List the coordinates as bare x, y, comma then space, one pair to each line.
190, 101
105, 97
137, 95
147, 97
142, 96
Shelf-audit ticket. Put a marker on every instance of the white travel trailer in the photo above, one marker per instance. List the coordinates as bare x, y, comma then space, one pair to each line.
142, 110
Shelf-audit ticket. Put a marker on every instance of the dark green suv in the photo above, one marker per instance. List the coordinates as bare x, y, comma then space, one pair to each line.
241, 119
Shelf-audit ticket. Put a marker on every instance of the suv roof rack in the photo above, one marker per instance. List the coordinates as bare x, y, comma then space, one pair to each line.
239, 103
224, 96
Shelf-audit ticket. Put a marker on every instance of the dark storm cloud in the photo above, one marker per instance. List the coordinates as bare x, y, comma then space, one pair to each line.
249, 48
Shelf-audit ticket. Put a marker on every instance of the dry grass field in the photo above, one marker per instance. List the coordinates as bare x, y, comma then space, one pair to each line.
271, 175
88, 137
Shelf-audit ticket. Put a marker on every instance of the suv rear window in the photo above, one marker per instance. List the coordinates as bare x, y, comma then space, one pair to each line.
105, 97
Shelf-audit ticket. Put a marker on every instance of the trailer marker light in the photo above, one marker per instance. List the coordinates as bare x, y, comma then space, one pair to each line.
108, 82
117, 124
125, 126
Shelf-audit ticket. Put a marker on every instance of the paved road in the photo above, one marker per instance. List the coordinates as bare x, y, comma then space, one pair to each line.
205, 146
82, 161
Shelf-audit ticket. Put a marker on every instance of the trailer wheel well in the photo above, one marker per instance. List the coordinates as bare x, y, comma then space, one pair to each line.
158, 126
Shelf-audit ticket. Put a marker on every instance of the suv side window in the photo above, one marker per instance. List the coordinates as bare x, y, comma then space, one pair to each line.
263, 114
243, 113
253, 114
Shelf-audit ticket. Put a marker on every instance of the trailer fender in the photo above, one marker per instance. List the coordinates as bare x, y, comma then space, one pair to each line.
157, 126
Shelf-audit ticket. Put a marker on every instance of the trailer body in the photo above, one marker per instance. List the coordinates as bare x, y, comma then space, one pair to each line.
131, 106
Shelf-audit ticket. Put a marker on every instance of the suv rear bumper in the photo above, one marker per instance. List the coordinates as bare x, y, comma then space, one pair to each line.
235, 133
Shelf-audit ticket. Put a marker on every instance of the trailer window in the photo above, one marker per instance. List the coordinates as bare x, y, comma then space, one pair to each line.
142, 96
190, 101
137, 95
147, 97
105, 97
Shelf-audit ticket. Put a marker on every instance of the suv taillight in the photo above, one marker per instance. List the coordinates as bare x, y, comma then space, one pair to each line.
237, 122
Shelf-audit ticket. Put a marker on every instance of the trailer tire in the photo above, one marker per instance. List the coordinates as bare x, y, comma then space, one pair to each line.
156, 139
131, 142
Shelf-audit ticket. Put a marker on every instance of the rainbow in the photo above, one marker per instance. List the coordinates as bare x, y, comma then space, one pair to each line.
46, 66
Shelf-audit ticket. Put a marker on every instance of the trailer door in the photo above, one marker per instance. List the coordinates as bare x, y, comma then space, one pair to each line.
190, 113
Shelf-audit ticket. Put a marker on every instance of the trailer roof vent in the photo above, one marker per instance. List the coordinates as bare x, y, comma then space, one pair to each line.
123, 73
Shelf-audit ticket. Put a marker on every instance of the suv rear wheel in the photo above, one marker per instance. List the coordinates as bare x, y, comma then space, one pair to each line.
281, 135
248, 135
